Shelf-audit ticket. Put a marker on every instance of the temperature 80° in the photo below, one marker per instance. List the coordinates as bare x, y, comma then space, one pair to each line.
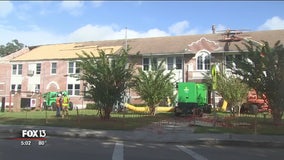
41, 143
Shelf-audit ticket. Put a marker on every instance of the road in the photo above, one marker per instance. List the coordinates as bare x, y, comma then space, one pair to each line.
60, 148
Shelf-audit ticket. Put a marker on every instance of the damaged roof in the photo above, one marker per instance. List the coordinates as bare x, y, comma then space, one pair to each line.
179, 44
146, 46
63, 51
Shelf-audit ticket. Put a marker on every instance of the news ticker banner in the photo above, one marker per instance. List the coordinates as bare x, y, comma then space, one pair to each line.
28, 137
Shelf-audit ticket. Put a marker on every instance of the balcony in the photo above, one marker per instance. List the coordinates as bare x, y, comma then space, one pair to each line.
199, 74
193, 75
30, 72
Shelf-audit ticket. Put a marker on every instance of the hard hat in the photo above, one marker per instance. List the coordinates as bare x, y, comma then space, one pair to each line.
59, 95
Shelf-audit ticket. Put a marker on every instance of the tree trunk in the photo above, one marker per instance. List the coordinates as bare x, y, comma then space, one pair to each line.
106, 113
100, 113
277, 115
152, 110
239, 109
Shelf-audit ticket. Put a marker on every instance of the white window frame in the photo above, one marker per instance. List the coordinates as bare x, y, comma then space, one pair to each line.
38, 70
181, 63
144, 65
37, 88
174, 63
203, 55
16, 87
150, 67
13, 87
75, 67
170, 65
17, 70
53, 69
231, 61
73, 91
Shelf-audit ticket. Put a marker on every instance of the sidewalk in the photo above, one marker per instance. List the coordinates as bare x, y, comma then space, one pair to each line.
157, 133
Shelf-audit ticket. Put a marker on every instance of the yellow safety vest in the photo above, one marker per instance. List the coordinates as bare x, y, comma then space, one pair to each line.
65, 101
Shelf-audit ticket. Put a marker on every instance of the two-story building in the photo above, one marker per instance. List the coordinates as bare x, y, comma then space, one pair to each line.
48, 67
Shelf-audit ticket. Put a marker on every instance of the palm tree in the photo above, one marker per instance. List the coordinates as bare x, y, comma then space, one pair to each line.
107, 77
154, 86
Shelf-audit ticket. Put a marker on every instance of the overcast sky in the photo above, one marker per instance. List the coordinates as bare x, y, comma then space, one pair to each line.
49, 22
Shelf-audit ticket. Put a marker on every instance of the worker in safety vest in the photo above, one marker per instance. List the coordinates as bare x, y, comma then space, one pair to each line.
65, 104
169, 102
58, 105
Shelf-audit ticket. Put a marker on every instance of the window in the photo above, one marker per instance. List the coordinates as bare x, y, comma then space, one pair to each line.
73, 89
37, 88
70, 89
73, 68
230, 59
53, 67
13, 87
38, 68
146, 64
199, 63
150, 64
207, 62
77, 89
170, 63
77, 68
16, 87
20, 69
174, 63
239, 57
154, 64
14, 72
19, 88
17, 69
112, 63
178, 63
203, 61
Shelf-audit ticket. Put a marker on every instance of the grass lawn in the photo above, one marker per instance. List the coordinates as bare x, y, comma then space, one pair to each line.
87, 119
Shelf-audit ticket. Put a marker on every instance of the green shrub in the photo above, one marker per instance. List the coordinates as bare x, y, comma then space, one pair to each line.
91, 106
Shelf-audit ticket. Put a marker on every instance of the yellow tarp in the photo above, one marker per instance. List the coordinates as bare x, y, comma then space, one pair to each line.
146, 109
224, 105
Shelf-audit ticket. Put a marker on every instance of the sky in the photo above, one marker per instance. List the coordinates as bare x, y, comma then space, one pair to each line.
52, 22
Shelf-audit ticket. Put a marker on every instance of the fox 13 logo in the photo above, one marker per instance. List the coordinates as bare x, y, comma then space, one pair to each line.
33, 133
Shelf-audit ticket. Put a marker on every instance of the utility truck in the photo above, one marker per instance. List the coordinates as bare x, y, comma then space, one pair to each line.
255, 103
192, 98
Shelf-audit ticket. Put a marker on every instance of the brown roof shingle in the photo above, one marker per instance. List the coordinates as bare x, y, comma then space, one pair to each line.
178, 44
156, 45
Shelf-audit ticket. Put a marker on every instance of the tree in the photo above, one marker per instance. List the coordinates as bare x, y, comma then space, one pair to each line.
233, 90
154, 86
230, 87
10, 47
107, 76
262, 68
